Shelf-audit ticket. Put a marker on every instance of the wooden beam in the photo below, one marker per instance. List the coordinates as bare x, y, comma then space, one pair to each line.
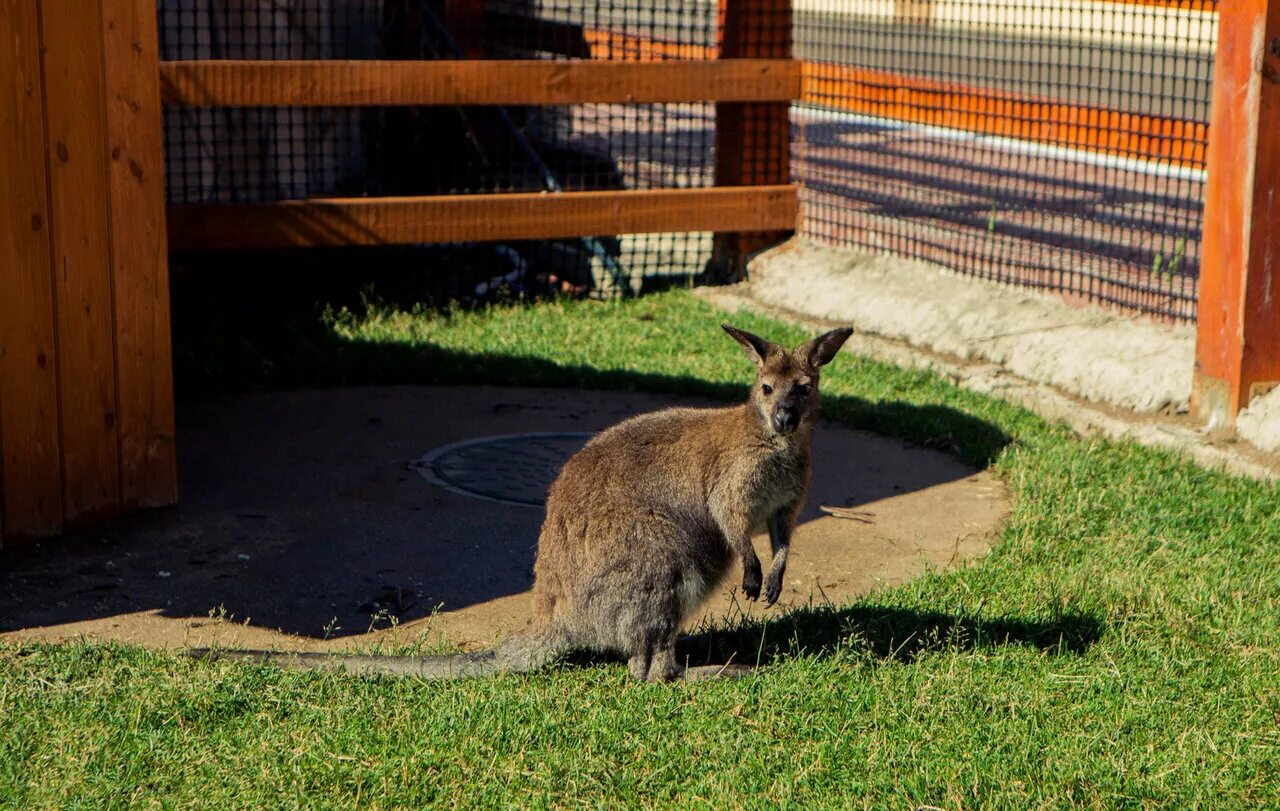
139, 254
77, 153
477, 217
1238, 328
444, 82
753, 141
30, 466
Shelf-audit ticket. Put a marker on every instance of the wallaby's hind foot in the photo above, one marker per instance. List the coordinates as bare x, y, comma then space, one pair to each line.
660, 665
638, 665
655, 664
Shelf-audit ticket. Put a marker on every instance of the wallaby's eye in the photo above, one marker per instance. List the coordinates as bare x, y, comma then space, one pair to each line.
766, 388
803, 389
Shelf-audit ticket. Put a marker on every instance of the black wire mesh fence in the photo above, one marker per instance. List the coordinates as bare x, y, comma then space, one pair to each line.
1058, 144
266, 154
1049, 143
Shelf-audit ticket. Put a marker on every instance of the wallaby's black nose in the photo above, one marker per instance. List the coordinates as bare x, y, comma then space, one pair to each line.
785, 420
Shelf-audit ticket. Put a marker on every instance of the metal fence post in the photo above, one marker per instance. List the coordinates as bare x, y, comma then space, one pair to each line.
1238, 341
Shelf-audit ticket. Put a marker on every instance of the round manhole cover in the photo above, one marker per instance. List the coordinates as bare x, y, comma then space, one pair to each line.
511, 469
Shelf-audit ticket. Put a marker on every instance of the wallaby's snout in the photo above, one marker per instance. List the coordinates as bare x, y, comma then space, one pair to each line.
788, 399
786, 418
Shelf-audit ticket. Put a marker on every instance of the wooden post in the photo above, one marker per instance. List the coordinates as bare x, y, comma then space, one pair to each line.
753, 140
139, 254
1238, 339
464, 20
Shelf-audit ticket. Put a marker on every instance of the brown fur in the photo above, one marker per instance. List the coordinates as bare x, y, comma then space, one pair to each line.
646, 520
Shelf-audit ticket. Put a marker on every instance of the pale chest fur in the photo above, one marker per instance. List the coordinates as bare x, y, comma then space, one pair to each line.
769, 480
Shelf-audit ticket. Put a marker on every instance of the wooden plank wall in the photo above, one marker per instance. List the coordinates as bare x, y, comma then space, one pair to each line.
86, 402
30, 475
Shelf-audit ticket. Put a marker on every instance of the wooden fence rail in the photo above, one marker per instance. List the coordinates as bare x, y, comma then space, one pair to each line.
478, 217
509, 82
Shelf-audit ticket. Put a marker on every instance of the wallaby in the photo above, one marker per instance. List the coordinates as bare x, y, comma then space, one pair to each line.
644, 522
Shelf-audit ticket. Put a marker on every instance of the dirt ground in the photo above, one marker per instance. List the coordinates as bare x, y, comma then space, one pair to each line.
302, 525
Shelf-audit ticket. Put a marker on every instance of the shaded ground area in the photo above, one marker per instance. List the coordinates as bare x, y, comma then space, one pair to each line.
303, 524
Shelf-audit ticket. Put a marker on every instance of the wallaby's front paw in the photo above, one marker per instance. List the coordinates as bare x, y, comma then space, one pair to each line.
751, 581
773, 586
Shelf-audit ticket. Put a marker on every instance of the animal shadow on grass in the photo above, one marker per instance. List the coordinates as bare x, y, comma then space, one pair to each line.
884, 633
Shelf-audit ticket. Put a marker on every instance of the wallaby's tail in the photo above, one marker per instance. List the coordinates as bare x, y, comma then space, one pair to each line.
483, 663
519, 654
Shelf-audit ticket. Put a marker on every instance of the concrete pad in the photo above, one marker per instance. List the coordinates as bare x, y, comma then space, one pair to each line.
1094, 353
303, 526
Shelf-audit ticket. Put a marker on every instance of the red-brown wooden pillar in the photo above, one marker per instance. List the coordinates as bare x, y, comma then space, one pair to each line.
1238, 341
753, 140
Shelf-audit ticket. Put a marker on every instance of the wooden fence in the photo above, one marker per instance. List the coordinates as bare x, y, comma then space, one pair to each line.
86, 400
752, 84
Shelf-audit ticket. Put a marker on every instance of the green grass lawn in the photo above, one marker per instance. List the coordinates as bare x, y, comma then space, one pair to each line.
1119, 648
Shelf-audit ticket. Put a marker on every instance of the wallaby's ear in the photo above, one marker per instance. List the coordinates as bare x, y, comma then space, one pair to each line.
757, 348
822, 349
